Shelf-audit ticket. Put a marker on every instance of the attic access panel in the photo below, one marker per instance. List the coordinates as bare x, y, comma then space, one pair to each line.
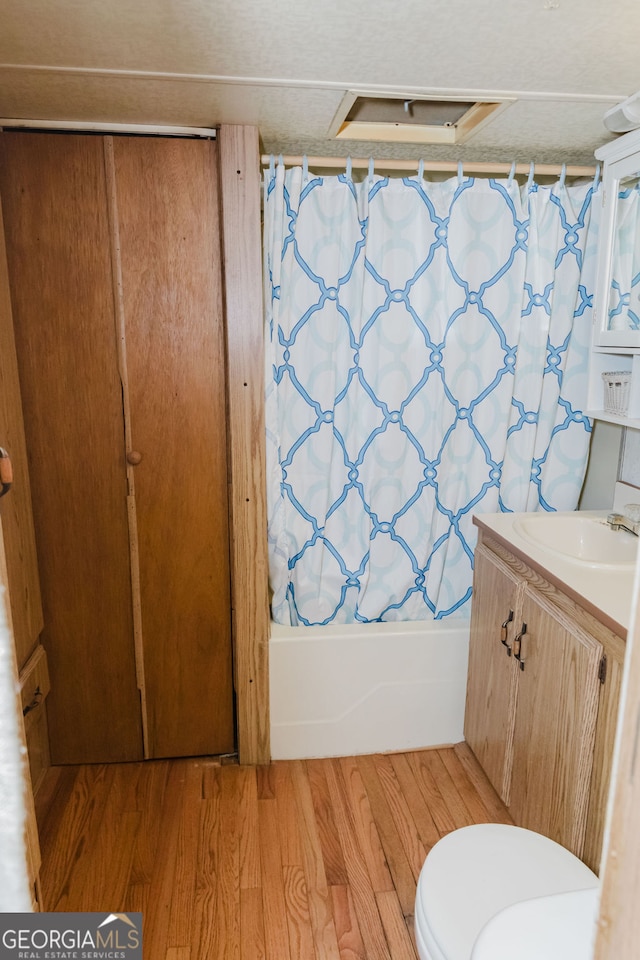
409, 120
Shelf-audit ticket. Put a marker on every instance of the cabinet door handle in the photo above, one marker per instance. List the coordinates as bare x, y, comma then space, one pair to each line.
503, 632
517, 646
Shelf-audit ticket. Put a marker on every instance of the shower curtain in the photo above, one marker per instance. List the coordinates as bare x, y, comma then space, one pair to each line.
426, 359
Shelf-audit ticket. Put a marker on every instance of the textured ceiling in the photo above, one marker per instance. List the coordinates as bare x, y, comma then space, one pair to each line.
286, 65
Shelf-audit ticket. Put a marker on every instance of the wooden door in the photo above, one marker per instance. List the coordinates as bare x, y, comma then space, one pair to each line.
491, 683
53, 193
114, 259
555, 723
169, 239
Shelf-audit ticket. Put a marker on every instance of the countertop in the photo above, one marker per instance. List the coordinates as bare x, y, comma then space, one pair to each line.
606, 592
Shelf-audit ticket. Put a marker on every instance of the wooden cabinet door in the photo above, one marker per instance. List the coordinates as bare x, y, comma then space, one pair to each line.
169, 236
555, 723
53, 194
491, 684
606, 727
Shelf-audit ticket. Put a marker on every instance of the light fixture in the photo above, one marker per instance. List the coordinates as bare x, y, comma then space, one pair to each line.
624, 116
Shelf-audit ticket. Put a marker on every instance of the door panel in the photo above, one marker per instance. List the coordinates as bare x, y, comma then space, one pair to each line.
491, 688
555, 724
171, 279
53, 196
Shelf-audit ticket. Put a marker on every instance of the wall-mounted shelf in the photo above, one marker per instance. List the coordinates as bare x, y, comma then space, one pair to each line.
602, 361
633, 422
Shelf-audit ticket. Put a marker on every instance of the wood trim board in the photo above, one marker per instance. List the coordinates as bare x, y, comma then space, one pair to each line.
242, 259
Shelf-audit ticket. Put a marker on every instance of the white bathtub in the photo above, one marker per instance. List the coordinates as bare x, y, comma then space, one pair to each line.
366, 688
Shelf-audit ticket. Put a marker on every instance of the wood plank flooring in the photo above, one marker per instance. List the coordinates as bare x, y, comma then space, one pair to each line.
297, 860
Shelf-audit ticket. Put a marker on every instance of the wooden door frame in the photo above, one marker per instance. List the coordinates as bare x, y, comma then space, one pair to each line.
239, 164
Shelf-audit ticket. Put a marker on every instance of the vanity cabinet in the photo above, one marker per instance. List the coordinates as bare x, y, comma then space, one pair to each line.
540, 708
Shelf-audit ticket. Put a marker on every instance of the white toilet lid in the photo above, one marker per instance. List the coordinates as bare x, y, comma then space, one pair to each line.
560, 927
473, 873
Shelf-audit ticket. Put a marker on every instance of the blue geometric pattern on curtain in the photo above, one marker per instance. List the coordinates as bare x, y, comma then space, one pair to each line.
426, 359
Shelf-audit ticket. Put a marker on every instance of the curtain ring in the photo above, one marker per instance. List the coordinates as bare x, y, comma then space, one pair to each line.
512, 174
530, 180
421, 169
459, 172
563, 174
305, 169
281, 161
348, 169
371, 168
596, 177
272, 167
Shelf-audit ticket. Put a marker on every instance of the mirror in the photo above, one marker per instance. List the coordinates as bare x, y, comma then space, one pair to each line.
623, 310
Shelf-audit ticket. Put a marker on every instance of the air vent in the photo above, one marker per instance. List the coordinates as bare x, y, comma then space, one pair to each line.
411, 120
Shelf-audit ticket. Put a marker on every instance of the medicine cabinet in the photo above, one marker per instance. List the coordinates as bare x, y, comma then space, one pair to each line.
616, 323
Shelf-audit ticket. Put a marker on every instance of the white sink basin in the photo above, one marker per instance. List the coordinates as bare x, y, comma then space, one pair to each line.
587, 540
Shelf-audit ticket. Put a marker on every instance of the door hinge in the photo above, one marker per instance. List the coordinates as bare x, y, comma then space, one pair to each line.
602, 670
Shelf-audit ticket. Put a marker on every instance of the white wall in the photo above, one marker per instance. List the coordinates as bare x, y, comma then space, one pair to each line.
602, 470
630, 462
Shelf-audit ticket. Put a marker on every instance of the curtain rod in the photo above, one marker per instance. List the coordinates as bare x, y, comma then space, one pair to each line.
438, 166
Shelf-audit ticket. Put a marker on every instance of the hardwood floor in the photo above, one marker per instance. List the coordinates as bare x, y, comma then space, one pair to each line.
297, 860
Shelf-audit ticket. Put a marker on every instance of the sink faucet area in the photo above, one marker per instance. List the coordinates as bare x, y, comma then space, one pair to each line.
607, 541
629, 520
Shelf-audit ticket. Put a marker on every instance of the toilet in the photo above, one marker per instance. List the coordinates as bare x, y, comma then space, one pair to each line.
493, 891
